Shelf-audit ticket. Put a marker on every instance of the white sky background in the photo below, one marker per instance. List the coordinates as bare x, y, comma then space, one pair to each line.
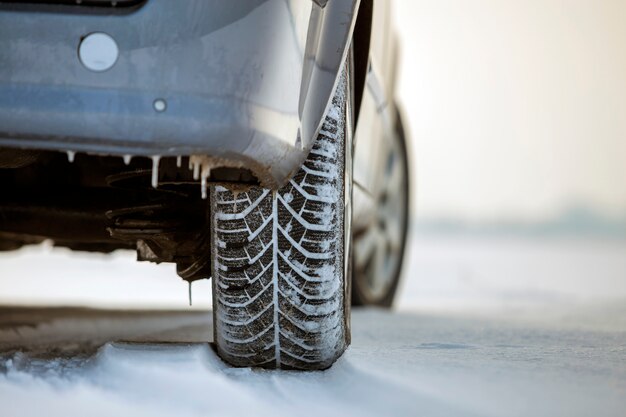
516, 108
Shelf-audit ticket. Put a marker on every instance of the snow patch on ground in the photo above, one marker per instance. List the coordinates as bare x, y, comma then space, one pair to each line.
489, 327
399, 364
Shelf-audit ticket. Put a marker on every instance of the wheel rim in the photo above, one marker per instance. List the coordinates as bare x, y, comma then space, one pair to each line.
379, 250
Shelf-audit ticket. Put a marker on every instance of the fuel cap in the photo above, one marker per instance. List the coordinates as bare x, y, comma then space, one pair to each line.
98, 52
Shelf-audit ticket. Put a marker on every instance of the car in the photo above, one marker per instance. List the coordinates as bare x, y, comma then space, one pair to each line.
258, 143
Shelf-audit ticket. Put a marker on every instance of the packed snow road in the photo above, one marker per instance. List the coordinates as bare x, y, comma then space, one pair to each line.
486, 327
66, 362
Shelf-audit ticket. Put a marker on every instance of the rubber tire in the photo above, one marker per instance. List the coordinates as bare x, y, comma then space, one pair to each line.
359, 294
279, 276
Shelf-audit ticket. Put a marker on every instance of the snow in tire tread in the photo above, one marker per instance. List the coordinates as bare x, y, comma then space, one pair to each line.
278, 268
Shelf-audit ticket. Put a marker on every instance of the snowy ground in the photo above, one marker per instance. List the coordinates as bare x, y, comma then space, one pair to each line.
485, 326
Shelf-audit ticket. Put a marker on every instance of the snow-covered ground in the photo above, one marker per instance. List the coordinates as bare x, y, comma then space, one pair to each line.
484, 326
399, 364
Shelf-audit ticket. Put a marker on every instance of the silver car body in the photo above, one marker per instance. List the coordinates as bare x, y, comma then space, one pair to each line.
245, 82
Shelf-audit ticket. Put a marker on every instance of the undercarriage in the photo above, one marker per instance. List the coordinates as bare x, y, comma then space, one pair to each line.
103, 203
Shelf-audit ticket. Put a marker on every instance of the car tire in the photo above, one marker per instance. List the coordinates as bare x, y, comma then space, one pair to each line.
280, 279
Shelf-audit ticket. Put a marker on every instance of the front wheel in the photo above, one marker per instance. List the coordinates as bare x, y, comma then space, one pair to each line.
279, 273
379, 248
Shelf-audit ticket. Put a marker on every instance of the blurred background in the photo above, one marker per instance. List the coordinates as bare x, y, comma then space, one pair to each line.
517, 111
517, 114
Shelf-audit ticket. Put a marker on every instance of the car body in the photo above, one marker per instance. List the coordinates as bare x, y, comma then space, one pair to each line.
247, 84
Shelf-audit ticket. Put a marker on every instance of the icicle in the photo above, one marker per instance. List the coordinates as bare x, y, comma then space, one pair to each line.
70, 156
189, 282
179, 161
127, 159
155, 171
206, 173
203, 185
196, 171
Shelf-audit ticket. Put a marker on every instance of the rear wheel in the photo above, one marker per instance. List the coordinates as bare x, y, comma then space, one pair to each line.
279, 273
